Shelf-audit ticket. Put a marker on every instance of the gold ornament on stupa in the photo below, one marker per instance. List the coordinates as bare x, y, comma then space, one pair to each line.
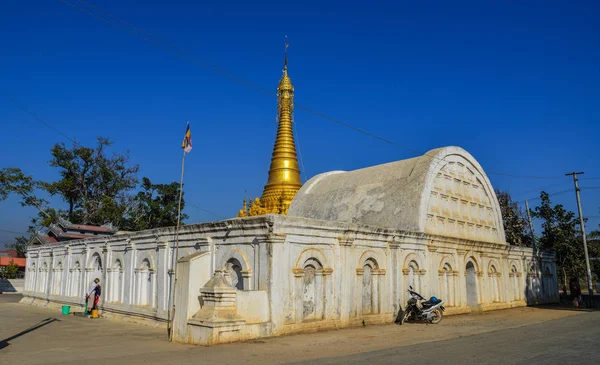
284, 175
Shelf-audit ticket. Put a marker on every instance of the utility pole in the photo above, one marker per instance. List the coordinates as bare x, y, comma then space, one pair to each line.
587, 258
530, 225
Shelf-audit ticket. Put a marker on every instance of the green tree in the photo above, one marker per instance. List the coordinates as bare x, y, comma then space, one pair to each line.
560, 233
515, 224
95, 185
14, 181
156, 205
20, 246
10, 271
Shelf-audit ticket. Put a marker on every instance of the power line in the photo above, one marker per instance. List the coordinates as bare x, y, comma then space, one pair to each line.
4, 230
561, 192
206, 210
544, 187
40, 119
242, 81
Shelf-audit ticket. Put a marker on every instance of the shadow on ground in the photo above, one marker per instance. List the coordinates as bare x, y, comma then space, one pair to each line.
5, 343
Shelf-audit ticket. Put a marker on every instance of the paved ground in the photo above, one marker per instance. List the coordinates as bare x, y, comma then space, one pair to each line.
10, 298
32, 335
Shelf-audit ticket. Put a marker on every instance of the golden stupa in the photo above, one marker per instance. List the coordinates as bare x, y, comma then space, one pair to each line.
284, 175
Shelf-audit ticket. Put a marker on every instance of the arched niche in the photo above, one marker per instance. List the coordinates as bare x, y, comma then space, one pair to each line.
238, 269
447, 281
144, 289
369, 283
312, 285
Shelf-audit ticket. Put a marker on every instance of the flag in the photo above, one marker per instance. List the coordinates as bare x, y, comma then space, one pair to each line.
187, 139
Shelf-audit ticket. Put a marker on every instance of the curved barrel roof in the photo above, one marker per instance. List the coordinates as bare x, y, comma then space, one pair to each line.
444, 192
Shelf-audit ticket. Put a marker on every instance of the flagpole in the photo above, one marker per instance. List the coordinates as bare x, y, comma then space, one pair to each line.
172, 316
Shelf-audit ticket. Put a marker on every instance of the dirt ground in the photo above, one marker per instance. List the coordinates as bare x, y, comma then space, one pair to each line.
71, 339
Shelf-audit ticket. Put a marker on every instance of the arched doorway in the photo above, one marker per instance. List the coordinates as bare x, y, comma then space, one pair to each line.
471, 286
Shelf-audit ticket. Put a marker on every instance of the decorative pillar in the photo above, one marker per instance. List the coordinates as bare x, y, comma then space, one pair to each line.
106, 250
67, 268
378, 281
345, 288
247, 279
162, 280
327, 289
299, 293
397, 287
462, 278
358, 297
130, 276
432, 261
319, 294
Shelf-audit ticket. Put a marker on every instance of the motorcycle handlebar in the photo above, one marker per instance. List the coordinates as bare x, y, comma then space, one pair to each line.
416, 294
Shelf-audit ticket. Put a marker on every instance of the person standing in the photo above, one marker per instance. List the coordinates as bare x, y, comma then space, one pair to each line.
91, 294
575, 292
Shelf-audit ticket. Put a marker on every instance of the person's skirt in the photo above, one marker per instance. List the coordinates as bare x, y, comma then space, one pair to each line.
91, 301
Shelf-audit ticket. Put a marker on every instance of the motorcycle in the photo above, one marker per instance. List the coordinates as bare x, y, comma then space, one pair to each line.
431, 310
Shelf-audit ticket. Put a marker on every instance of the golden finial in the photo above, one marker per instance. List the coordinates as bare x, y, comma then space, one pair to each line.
284, 174
287, 44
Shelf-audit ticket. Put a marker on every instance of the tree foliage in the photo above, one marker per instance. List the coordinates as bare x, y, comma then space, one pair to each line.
560, 233
10, 271
514, 220
14, 182
95, 185
20, 246
156, 205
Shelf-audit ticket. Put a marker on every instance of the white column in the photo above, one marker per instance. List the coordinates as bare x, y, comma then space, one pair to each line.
298, 295
376, 300
162, 285
320, 294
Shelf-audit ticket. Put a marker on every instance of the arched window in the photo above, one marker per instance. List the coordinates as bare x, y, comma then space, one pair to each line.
514, 280
414, 276
57, 279
471, 282
369, 304
116, 282
145, 284
534, 282
43, 278
447, 284
75, 280
310, 293
234, 269
494, 284
31, 277
96, 268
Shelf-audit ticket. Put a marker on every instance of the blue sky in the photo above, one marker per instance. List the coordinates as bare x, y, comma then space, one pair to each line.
514, 83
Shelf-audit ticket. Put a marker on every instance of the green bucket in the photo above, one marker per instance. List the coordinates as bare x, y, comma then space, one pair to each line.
66, 309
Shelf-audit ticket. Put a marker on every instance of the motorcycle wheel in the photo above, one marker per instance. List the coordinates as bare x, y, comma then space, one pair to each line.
404, 316
436, 316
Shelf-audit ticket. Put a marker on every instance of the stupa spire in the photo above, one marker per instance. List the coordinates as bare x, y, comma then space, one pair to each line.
284, 174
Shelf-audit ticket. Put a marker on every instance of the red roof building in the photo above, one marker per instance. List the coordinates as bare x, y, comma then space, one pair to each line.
63, 230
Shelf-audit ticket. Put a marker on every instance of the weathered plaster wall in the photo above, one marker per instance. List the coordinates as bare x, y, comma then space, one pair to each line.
281, 274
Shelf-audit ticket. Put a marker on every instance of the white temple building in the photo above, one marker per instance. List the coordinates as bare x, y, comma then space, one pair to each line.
348, 249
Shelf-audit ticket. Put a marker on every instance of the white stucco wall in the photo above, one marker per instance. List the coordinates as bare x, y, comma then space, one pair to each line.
298, 274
